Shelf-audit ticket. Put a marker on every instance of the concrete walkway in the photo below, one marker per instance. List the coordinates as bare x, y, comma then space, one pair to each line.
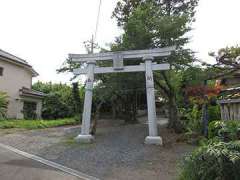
16, 167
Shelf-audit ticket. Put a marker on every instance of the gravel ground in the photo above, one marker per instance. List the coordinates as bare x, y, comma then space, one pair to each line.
118, 152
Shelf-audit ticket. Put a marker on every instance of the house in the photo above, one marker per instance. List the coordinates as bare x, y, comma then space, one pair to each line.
16, 80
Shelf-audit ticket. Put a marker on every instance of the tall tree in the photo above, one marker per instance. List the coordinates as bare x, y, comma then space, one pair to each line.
158, 23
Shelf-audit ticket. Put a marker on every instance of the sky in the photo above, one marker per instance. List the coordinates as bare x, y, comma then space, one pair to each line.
44, 32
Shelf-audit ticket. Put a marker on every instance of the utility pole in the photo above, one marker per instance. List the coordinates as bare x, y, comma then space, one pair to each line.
92, 45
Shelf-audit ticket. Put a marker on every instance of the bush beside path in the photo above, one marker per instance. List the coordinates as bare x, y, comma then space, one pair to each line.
36, 124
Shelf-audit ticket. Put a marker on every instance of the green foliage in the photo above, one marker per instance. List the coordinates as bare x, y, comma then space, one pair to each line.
214, 160
125, 8
3, 105
151, 24
76, 98
35, 124
214, 113
230, 52
225, 130
226, 63
214, 127
54, 107
192, 118
193, 76
59, 102
219, 157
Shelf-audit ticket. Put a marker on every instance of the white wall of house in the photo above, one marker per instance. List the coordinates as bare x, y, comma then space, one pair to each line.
14, 78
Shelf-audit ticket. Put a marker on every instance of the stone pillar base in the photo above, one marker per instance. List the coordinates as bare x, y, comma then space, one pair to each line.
84, 138
156, 140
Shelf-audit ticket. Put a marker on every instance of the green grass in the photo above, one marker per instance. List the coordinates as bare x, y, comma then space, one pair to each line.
70, 141
35, 124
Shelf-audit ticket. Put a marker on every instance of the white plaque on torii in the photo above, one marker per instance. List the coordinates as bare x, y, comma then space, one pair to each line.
118, 57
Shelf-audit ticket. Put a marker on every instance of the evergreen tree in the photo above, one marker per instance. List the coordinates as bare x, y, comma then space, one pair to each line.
158, 23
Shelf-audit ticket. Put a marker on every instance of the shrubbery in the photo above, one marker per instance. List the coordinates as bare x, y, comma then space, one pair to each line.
193, 120
33, 124
214, 113
3, 105
225, 130
54, 107
216, 160
60, 101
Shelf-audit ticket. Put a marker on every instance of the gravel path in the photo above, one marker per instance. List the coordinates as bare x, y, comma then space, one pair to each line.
118, 152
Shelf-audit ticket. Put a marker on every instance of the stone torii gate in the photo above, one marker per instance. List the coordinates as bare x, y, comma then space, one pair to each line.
117, 57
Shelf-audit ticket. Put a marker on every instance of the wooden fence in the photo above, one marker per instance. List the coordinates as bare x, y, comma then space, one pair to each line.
230, 109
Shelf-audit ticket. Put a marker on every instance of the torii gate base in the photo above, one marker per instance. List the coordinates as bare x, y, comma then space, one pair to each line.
84, 138
147, 56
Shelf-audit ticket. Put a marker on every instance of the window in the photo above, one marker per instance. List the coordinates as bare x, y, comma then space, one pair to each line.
1, 71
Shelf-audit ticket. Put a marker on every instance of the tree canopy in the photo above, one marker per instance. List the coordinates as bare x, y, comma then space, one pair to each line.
154, 23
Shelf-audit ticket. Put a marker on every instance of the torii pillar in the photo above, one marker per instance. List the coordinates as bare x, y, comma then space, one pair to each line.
85, 135
153, 137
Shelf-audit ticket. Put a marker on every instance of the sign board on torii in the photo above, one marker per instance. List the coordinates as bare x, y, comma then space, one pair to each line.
118, 58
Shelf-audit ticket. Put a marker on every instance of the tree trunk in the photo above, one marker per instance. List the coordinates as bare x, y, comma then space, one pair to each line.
205, 119
114, 111
95, 117
174, 120
205, 114
130, 110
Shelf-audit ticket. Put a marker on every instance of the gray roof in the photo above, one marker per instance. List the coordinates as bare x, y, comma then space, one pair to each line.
18, 60
31, 93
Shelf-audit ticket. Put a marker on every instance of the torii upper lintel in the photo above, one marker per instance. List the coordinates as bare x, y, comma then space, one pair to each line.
126, 55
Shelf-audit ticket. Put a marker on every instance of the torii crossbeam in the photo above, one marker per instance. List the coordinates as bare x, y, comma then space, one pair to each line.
118, 57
